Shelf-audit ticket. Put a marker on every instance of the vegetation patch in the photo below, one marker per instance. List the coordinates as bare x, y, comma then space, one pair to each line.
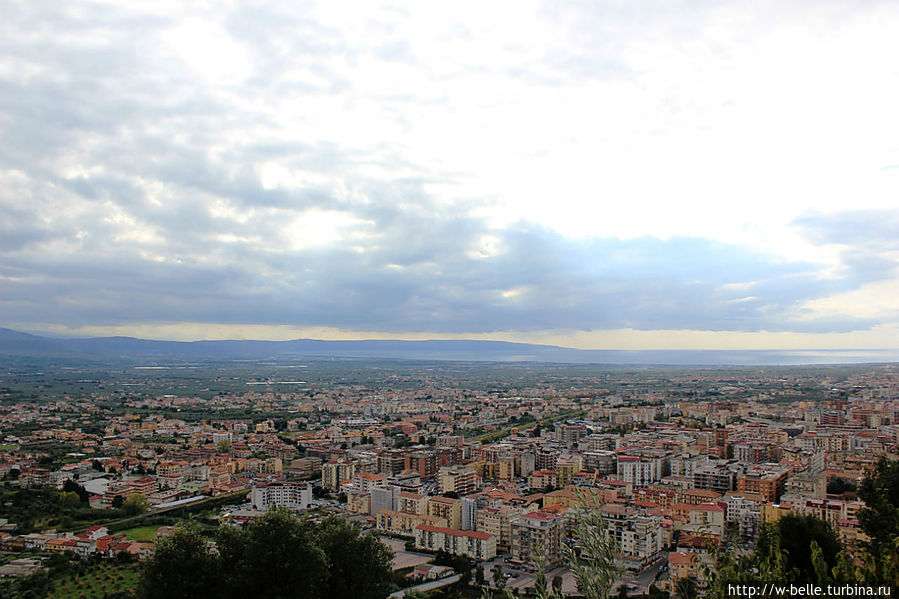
145, 534
103, 580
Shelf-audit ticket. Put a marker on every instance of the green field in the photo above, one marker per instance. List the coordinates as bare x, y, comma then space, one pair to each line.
106, 579
145, 534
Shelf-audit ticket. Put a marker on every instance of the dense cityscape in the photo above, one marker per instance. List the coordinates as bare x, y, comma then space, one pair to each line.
490, 464
449, 300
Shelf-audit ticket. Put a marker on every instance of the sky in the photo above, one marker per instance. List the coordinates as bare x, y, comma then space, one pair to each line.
605, 175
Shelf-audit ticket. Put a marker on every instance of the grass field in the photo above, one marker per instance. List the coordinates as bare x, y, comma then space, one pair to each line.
106, 579
146, 534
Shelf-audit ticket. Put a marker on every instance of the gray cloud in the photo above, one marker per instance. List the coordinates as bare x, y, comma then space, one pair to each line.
130, 192
869, 240
417, 271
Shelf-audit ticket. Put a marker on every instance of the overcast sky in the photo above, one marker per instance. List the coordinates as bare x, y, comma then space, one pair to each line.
653, 174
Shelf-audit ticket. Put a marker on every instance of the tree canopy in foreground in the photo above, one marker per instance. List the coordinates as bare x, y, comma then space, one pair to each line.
274, 556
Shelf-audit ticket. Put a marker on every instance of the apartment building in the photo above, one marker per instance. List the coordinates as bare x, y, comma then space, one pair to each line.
333, 473
638, 470
476, 545
447, 508
540, 479
638, 536
714, 477
404, 524
293, 495
411, 503
457, 479
768, 480
496, 521
537, 531
603, 462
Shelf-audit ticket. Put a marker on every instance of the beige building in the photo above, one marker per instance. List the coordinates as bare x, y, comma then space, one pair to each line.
506, 467
706, 519
566, 469
447, 508
688, 564
537, 531
456, 479
334, 473
411, 503
496, 521
404, 524
811, 484
476, 545
358, 502
540, 479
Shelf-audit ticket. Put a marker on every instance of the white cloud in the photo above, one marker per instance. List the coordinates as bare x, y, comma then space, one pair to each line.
419, 139
205, 47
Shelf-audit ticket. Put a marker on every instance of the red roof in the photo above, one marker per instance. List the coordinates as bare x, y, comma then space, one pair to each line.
680, 557
540, 516
708, 507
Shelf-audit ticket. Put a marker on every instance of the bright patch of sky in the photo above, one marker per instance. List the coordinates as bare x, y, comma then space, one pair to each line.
613, 174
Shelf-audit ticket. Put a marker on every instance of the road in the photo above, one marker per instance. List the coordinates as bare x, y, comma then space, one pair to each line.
428, 586
522, 579
645, 578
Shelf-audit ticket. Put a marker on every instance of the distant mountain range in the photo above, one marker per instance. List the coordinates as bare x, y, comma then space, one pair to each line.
16, 343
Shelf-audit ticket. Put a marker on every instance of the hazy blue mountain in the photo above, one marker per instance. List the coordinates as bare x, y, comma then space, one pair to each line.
16, 343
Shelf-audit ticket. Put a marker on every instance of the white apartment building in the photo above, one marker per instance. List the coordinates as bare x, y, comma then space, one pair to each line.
294, 495
639, 471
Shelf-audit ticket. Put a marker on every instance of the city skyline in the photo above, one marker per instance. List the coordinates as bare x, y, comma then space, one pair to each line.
653, 176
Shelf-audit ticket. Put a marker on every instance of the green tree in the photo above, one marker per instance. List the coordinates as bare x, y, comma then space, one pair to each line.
557, 585
657, 593
276, 556
796, 534
592, 559
359, 565
878, 562
273, 557
820, 565
880, 492
499, 579
838, 486
69, 499
538, 556
224, 446
686, 588
181, 567
135, 504
479, 575
70, 486
747, 568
